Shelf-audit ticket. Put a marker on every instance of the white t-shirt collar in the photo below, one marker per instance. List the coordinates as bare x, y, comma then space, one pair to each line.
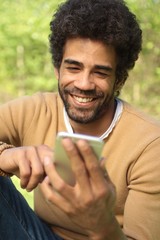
117, 115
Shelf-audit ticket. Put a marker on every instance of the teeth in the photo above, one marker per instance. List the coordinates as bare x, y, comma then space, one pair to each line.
83, 100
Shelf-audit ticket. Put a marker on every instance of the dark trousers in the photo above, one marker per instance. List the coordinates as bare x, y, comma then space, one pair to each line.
17, 220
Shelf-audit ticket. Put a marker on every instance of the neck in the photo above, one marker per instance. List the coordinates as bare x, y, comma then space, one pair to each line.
97, 127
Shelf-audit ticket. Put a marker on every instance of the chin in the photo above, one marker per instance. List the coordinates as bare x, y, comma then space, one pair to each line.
82, 118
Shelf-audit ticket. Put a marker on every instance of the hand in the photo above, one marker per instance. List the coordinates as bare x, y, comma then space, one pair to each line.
26, 163
90, 203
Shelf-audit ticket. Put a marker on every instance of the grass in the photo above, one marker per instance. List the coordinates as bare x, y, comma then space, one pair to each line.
27, 195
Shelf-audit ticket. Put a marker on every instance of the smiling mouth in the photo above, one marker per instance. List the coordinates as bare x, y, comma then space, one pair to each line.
83, 99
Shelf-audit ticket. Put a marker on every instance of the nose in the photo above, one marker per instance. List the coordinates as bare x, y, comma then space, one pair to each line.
85, 81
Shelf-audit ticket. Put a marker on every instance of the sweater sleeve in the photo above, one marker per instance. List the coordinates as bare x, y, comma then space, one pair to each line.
15, 119
142, 208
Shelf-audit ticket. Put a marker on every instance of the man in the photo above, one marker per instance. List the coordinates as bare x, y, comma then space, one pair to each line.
94, 43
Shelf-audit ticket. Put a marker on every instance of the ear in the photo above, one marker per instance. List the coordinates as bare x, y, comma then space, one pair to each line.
56, 72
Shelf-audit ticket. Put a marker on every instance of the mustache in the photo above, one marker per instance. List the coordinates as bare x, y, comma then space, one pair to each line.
87, 93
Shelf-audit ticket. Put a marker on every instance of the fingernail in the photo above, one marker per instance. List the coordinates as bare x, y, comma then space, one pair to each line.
29, 190
46, 179
46, 161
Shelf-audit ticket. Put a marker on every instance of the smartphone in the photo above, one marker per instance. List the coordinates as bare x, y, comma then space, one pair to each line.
62, 161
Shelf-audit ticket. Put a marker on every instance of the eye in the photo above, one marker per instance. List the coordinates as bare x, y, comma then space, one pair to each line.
73, 69
101, 74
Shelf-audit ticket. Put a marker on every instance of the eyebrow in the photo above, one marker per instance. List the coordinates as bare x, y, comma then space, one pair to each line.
105, 68
97, 66
71, 61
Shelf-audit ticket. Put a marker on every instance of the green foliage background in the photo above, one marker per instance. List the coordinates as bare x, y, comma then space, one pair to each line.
25, 62
143, 86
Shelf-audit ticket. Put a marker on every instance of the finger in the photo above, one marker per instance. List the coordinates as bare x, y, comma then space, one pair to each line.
37, 156
55, 190
91, 161
36, 169
55, 180
52, 196
50, 170
77, 162
69, 193
25, 172
43, 151
100, 184
110, 185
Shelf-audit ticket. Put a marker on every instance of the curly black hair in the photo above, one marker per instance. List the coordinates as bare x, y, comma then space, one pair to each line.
109, 21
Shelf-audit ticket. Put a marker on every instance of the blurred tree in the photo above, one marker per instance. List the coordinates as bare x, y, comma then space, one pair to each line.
25, 60
143, 85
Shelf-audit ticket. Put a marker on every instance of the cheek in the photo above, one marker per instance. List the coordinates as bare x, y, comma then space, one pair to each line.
105, 86
63, 81
69, 80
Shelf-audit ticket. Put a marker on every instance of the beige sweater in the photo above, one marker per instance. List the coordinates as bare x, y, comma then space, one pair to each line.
133, 161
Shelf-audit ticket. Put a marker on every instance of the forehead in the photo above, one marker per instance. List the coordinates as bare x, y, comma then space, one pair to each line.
90, 52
